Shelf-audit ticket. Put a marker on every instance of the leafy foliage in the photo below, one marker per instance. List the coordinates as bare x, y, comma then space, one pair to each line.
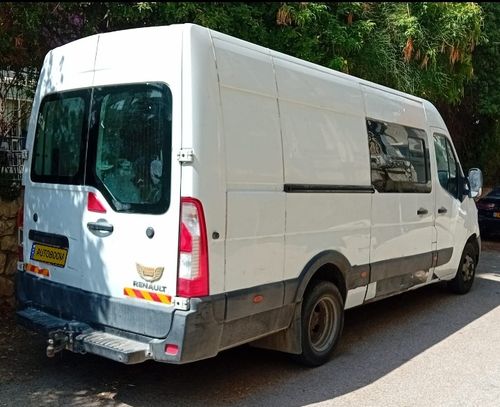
486, 84
475, 122
443, 51
421, 48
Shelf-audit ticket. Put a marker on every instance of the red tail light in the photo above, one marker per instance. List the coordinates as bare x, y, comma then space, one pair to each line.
193, 250
94, 205
171, 349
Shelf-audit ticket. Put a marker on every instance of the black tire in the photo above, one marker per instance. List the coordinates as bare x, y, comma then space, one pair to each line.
464, 278
321, 323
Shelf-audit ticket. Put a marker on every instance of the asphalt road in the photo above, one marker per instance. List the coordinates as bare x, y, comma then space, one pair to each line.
426, 347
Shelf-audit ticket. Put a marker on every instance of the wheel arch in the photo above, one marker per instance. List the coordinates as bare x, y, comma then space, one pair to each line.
462, 282
475, 240
328, 265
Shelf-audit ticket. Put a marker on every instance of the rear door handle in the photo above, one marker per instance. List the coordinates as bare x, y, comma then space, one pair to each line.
442, 210
422, 211
100, 228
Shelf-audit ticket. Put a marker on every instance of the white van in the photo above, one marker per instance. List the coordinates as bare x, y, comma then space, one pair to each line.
187, 192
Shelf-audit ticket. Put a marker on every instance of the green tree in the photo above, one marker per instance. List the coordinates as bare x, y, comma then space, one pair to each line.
431, 49
27, 32
421, 48
485, 89
475, 122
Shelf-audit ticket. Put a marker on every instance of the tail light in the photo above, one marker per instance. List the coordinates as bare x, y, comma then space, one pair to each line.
19, 225
193, 251
93, 204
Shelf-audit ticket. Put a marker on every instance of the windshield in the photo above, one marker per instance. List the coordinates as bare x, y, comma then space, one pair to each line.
127, 131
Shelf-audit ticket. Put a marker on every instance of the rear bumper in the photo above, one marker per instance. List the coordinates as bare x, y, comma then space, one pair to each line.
126, 331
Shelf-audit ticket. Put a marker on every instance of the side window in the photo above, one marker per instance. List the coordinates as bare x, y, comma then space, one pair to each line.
447, 165
399, 157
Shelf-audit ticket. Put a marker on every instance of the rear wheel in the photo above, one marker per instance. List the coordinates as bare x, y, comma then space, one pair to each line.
464, 278
322, 323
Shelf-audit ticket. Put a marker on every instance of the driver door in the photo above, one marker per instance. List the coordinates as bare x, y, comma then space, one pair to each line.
450, 214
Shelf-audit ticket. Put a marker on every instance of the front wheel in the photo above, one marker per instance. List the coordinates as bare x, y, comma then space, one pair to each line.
322, 323
464, 278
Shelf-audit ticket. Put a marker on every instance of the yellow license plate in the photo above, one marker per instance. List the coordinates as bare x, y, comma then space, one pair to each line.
49, 254
496, 214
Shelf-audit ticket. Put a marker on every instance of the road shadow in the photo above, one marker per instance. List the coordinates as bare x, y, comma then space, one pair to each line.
378, 338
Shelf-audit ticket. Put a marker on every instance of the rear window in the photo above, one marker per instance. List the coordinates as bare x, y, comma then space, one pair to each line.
60, 139
115, 138
131, 140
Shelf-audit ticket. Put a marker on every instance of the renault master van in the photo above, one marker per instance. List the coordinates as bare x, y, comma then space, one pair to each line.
187, 192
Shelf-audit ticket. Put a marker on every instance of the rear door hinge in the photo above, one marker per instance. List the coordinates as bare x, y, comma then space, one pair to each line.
185, 155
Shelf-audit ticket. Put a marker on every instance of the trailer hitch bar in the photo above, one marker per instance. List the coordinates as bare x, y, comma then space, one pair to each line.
66, 338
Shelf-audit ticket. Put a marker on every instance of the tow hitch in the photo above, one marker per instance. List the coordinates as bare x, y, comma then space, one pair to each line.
66, 338
80, 338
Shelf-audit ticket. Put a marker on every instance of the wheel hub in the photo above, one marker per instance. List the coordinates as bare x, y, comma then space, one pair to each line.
321, 324
468, 267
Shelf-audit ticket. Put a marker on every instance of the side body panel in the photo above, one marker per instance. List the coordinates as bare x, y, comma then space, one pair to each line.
205, 177
253, 165
324, 145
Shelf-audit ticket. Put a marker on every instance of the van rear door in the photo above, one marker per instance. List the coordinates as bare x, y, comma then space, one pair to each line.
103, 206
130, 226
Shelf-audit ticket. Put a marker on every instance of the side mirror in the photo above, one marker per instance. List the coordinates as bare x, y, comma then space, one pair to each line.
476, 182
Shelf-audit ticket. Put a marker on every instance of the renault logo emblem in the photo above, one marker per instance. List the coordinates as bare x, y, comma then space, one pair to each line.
149, 274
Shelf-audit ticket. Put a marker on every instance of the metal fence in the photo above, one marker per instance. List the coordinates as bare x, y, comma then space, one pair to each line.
13, 153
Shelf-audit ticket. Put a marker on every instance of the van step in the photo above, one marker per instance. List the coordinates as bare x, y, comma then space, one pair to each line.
114, 347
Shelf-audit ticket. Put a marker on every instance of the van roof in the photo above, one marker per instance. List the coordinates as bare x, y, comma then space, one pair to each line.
430, 109
433, 116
